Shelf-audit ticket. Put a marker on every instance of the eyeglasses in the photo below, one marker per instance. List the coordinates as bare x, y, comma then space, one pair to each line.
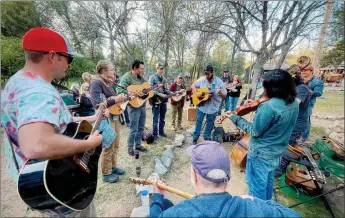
69, 57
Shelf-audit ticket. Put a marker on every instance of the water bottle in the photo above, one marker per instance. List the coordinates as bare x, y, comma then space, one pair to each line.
145, 198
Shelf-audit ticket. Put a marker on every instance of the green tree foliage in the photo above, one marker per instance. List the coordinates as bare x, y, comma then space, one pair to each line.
335, 55
12, 56
18, 17
78, 67
238, 65
222, 51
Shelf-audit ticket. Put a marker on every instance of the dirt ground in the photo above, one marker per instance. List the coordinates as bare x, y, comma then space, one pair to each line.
120, 198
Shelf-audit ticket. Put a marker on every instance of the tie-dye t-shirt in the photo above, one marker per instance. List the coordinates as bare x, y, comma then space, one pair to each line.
28, 98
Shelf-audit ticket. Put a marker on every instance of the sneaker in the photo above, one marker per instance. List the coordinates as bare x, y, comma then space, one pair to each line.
130, 151
141, 148
128, 124
207, 139
163, 134
195, 141
118, 171
112, 178
155, 138
180, 127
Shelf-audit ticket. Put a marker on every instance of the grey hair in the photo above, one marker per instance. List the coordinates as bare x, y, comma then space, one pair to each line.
213, 174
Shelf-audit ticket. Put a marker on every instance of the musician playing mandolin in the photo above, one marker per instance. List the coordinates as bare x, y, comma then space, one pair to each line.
210, 174
269, 132
177, 106
33, 113
101, 87
137, 115
159, 102
210, 107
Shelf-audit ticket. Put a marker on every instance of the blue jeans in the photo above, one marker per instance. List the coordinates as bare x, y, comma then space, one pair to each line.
307, 131
137, 125
159, 204
260, 177
158, 111
295, 137
233, 103
210, 118
226, 107
126, 116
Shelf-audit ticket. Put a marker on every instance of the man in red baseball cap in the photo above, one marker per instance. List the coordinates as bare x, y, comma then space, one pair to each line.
33, 114
316, 86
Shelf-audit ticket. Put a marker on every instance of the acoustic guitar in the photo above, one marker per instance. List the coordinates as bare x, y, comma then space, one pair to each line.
175, 96
119, 108
142, 93
205, 95
65, 184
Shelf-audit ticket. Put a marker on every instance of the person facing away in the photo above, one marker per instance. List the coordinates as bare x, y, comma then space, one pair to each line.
302, 123
210, 107
270, 132
177, 106
101, 88
33, 114
226, 80
210, 174
235, 92
137, 115
158, 101
316, 86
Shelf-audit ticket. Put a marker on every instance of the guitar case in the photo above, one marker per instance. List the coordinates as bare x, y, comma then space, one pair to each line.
239, 152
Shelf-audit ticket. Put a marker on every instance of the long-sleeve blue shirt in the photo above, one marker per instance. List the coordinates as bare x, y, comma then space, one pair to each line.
316, 87
271, 128
220, 205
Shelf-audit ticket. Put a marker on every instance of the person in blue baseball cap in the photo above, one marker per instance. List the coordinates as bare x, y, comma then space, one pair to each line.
210, 174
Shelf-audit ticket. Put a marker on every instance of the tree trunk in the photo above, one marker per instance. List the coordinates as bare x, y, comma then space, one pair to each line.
320, 43
166, 54
261, 59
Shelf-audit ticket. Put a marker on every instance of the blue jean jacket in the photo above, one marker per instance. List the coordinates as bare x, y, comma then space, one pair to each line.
316, 87
219, 205
271, 127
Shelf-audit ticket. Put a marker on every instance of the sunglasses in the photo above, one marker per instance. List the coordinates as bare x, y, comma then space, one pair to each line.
69, 57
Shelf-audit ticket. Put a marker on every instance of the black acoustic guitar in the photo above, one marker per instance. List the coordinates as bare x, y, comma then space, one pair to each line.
64, 184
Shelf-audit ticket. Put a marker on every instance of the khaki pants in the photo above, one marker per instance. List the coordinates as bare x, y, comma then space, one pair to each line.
177, 109
109, 155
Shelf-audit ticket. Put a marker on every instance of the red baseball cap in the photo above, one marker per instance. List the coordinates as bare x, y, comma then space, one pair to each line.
44, 39
309, 67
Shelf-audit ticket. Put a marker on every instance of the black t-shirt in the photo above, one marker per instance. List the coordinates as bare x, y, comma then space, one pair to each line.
303, 94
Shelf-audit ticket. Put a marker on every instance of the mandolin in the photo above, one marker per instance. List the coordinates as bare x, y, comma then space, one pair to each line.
65, 184
301, 175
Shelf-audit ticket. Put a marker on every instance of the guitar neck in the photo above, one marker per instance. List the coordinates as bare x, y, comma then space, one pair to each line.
317, 171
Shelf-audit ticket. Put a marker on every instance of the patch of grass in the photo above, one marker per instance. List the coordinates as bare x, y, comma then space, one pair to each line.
330, 103
318, 130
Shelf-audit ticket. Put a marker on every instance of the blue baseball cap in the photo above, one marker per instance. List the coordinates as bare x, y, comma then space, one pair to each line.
207, 156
